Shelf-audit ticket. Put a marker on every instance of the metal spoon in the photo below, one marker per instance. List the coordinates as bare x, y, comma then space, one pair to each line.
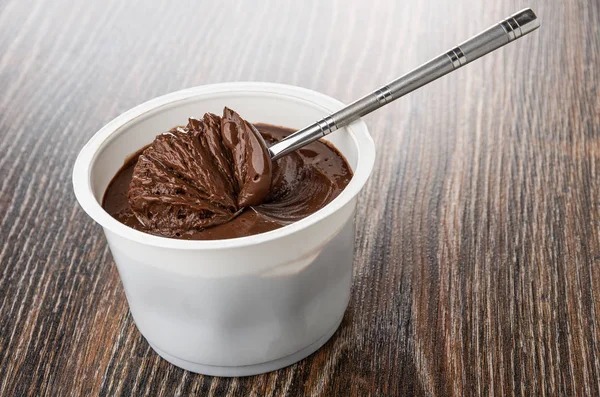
508, 30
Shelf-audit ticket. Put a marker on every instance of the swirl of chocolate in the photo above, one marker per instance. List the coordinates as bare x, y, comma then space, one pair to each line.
200, 176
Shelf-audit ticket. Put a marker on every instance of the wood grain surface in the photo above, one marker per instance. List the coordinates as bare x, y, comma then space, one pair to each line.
477, 265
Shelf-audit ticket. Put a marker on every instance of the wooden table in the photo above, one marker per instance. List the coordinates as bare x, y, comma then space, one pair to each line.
478, 253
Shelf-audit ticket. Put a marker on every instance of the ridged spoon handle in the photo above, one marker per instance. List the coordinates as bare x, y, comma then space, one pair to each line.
502, 33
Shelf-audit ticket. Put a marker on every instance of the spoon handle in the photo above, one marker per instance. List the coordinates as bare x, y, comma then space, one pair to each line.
502, 33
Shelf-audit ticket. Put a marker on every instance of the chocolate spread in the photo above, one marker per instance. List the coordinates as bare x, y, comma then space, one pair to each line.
213, 180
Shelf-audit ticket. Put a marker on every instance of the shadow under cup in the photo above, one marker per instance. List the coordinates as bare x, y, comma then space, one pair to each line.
240, 306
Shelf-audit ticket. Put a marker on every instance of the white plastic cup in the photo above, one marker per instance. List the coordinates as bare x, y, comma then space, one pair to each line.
240, 306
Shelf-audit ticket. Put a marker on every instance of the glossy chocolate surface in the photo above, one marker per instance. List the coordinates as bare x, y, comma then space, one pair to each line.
198, 184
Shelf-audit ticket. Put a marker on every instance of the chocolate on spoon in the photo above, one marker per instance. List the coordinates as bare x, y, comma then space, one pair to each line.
200, 175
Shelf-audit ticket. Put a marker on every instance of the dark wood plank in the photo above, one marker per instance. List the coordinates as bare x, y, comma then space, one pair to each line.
483, 277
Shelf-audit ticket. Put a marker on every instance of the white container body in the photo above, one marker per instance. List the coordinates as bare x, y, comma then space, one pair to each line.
240, 306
